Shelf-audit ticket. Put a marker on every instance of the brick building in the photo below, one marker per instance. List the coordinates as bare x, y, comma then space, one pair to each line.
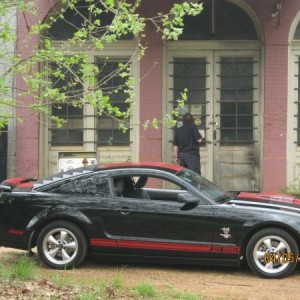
239, 60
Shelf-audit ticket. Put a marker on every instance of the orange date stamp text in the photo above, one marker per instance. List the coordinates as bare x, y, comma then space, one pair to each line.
287, 257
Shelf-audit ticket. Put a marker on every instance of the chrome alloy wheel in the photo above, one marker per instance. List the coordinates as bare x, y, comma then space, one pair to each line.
270, 254
60, 246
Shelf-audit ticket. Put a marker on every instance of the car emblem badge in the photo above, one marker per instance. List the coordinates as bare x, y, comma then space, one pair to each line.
225, 233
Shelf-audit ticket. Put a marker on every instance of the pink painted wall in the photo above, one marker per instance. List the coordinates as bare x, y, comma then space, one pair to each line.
151, 98
276, 32
275, 58
151, 94
27, 132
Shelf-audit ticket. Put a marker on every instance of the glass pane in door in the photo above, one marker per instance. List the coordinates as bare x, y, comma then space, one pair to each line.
190, 74
236, 100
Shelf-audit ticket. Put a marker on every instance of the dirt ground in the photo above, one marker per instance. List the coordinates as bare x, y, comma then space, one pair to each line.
213, 283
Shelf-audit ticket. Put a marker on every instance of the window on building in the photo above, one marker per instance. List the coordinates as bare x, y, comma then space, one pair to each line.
76, 131
190, 74
71, 131
236, 99
236, 88
82, 13
112, 85
297, 86
297, 32
219, 20
298, 100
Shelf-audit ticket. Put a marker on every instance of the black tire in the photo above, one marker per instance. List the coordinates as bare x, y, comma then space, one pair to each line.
62, 245
272, 253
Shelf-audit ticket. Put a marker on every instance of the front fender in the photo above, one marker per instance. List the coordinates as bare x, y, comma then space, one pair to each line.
284, 221
290, 226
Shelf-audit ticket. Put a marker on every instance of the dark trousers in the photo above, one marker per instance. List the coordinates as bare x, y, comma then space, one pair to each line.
190, 161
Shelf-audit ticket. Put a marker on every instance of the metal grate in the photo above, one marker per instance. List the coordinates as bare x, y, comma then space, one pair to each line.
237, 100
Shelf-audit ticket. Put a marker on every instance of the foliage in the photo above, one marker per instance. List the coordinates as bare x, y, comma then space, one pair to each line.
145, 290
293, 190
24, 268
69, 284
54, 74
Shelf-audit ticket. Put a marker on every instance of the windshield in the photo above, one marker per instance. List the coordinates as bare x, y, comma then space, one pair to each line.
205, 186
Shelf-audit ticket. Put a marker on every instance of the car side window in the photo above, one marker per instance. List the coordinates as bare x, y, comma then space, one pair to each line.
93, 185
163, 189
146, 187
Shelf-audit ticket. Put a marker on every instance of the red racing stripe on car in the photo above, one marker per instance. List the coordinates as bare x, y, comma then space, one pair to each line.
16, 232
166, 246
103, 243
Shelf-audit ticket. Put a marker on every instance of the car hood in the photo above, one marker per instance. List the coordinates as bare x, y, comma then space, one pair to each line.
268, 198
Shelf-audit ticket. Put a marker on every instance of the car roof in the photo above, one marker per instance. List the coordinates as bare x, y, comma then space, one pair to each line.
152, 165
111, 166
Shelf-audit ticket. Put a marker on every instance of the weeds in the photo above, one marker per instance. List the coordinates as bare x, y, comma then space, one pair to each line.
19, 274
145, 290
24, 268
293, 190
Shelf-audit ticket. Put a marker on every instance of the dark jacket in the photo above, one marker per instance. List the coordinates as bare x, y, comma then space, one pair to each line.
186, 139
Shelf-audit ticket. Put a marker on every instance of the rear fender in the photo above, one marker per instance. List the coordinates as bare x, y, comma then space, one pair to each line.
49, 215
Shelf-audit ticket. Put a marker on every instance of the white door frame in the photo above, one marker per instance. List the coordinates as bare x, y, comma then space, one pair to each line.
186, 49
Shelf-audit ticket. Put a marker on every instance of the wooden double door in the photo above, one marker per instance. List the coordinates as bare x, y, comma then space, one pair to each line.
224, 98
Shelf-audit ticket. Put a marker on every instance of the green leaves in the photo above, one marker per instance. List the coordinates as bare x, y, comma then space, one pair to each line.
169, 120
56, 72
173, 22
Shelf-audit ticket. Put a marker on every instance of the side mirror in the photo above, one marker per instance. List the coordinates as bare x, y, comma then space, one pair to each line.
187, 198
5, 188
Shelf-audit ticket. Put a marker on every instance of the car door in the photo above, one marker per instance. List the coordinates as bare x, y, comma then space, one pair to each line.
160, 226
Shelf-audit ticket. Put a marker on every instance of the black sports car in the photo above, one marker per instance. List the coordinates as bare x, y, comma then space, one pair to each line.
148, 212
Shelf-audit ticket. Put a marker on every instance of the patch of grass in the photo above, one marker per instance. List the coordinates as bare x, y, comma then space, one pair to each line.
61, 278
185, 296
24, 268
91, 294
145, 290
5, 274
117, 282
17, 268
170, 293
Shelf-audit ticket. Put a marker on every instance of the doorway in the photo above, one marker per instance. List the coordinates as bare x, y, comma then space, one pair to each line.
223, 96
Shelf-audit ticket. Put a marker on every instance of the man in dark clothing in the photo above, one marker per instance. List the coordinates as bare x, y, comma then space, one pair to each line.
186, 144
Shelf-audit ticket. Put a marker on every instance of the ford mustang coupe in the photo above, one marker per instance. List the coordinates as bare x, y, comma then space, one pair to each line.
148, 212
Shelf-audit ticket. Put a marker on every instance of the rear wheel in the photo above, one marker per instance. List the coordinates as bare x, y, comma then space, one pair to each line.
272, 253
62, 245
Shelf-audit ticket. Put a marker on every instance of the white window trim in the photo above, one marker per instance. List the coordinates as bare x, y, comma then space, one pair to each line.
292, 149
49, 154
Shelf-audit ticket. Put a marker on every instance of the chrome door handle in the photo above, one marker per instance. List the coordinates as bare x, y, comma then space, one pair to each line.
124, 210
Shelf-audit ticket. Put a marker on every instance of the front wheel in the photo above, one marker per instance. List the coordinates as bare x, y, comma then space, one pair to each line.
61, 245
271, 253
